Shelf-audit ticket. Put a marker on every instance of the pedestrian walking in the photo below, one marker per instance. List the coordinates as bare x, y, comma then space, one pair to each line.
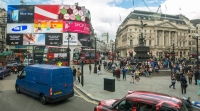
196, 76
199, 88
137, 78
74, 72
132, 76
118, 74
184, 85
173, 81
99, 70
78, 74
105, 64
190, 75
90, 68
124, 73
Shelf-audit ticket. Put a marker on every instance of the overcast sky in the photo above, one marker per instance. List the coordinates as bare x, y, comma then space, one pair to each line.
106, 14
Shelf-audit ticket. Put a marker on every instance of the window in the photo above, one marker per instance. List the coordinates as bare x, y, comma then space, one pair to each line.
158, 40
145, 107
131, 42
135, 29
130, 30
23, 74
125, 105
149, 42
164, 40
150, 31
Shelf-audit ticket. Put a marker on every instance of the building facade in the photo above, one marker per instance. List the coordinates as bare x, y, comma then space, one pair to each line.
105, 37
3, 21
161, 33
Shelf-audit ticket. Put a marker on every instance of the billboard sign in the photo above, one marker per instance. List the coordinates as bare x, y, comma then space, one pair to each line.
53, 39
34, 39
19, 28
84, 39
48, 26
64, 12
14, 39
72, 41
77, 27
20, 14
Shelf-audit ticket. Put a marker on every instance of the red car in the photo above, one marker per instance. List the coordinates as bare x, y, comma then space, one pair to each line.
142, 101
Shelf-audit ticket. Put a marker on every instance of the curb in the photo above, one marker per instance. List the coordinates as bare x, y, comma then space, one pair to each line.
84, 93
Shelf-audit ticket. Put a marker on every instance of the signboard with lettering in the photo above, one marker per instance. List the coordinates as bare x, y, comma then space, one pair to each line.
73, 40
20, 14
19, 28
14, 39
54, 39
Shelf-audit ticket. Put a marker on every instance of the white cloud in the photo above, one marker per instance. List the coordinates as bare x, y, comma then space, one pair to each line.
3, 4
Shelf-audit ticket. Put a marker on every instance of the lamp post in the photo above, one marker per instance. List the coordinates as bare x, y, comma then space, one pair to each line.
112, 53
197, 41
173, 54
95, 65
68, 50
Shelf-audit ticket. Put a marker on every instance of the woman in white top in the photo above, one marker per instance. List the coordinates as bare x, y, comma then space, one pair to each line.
132, 76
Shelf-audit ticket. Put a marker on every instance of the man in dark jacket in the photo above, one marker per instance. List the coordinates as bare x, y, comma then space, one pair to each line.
196, 76
183, 82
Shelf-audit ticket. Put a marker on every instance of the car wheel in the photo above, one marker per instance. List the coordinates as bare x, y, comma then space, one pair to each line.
43, 99
3, 76
17, 89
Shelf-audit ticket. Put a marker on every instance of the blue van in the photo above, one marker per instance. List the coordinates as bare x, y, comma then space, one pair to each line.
46, 82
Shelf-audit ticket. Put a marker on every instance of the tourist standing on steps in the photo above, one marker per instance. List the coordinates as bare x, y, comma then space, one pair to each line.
173, 81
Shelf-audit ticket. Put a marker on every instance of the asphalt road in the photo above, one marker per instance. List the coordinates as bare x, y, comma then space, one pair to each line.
11, 101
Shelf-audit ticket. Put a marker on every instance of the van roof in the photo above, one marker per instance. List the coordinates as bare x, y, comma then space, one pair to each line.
45, 66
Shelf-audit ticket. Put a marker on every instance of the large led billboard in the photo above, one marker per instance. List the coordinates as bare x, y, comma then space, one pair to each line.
77, 27
19, 28
48, 26
84, 39
34, 39
20, 14
53, 39
14, 39
65, 12
72, 41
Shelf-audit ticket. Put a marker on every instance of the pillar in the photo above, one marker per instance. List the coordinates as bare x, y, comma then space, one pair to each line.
155, 37
169, 36
163, 34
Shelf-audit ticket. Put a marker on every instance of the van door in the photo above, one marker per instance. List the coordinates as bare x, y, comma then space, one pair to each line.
22, 81
61, 84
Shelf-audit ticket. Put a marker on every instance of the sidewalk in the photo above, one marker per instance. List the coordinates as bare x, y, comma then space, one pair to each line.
94, 86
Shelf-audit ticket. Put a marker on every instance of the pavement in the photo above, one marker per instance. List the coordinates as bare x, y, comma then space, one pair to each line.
94, 86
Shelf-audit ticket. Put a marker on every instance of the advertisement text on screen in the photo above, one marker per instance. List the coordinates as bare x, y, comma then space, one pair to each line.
19, 28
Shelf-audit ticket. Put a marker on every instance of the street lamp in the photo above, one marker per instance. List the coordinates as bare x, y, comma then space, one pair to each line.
95, 65
173, 54
68, 50
112, 53
197, 41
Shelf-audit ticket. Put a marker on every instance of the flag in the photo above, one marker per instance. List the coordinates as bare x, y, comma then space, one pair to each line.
120, 17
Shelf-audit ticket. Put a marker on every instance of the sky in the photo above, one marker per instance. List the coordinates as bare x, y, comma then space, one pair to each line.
107, 15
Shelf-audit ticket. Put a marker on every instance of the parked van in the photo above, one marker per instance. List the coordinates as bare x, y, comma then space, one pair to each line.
46, 82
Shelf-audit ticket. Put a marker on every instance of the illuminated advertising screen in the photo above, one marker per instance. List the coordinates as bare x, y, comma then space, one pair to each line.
73, 40
34, 39
77, 27
65, 12
19, 28
84, 39
14, 39
48, 26
53, 39
20, 14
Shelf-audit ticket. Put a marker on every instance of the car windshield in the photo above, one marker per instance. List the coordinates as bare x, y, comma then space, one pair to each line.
11, 62
183, 107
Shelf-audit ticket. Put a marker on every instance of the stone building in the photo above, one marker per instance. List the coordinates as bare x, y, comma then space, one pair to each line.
161, 32
3, 21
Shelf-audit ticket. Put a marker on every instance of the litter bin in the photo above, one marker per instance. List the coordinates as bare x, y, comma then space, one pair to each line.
109, 84
114, 73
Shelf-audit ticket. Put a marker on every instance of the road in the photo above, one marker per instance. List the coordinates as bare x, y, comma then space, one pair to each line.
11, 101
